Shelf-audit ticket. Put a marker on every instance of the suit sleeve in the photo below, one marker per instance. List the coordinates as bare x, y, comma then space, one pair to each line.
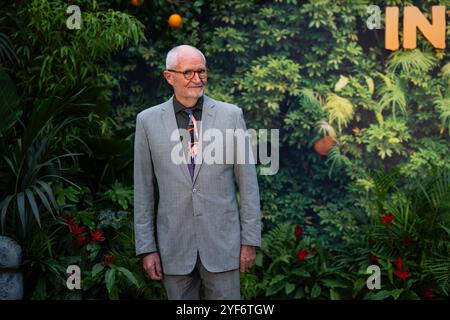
246, 179
144, 198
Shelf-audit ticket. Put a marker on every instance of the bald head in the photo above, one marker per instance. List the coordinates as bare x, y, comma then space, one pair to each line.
174, 55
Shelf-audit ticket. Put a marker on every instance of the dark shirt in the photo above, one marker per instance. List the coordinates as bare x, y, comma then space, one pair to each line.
182, 117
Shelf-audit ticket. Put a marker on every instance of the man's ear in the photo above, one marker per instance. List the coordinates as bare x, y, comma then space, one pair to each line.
168, 77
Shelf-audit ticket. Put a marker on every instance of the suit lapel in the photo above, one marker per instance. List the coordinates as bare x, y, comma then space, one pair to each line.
170, 123
208, 117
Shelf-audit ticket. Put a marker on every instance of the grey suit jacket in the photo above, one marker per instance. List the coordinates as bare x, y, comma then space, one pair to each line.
193, 215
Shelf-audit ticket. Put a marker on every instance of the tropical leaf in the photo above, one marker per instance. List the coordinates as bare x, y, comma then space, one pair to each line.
309, 98
339, 109
342, 82
443, 107
370, 84
392, 95
131, 278
439, 270
446, 69
337, 160
412, 61
274, 241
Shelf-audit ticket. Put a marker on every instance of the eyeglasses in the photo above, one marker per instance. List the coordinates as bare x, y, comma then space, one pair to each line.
189, 74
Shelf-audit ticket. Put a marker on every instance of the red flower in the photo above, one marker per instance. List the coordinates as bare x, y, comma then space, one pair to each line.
298, 232
68, 219
374, 259
302, 254
108, 260
75, 229
406, 242
398, 264
402, 274
80, 240
429, 293
96, 235
387, 218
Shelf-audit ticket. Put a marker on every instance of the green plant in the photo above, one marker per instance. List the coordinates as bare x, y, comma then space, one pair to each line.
31, 162
294, 266
386, 138
408, 236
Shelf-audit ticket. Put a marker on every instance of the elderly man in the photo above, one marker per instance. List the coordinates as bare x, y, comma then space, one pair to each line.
204, 238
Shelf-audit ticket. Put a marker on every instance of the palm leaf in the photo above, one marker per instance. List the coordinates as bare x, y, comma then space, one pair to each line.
443, 107
337, 159
4, 205
446, 69
439, 270
43, 199
33, 205
435, 189
416, 61
21, 208
392, 95
49, 191
7, 51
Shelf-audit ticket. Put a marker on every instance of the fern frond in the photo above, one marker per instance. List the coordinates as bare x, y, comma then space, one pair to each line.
439, 271
274, 242
443, 107
326, 129
337, 159
340, 110
446, 70
309, 98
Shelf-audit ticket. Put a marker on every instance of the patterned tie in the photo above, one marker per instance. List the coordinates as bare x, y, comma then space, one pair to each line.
193, 132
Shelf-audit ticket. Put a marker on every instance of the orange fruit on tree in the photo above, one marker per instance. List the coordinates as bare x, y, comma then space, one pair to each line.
323, 145
137, 3
175, 20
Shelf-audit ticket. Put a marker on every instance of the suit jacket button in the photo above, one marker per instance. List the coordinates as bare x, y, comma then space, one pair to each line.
194, 190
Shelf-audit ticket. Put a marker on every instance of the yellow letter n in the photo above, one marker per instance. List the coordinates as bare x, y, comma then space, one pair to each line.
414, 19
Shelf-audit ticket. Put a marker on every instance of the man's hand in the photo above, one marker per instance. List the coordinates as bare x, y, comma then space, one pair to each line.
152, 265
247, 257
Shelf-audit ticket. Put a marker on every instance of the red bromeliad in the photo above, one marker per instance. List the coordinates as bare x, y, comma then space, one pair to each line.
76, 230
373, 259
406, 242
398, 263
429, 293
298, 232
108, 260
387, 218
96, 235
402, 274
68, 219
80, 240
302, 254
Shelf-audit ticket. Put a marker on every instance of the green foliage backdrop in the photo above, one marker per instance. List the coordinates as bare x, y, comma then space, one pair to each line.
308, 68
